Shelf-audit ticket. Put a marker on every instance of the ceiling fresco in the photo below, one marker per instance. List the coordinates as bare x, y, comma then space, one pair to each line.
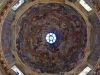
71, 37
7, 37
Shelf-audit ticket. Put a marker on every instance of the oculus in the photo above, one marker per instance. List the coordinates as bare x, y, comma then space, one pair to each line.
51, 38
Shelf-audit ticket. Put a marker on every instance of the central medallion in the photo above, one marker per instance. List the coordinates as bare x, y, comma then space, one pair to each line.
51, 38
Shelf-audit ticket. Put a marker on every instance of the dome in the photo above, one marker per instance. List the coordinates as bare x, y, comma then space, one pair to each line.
51, 19
49, 37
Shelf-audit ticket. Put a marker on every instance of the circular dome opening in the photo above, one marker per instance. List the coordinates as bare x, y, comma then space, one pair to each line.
51, 38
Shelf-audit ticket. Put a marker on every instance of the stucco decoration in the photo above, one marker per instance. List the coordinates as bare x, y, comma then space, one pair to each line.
68, 26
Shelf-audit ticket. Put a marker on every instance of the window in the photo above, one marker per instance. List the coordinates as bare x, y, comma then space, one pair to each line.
85, 5
18, 4
51, 38
16, 70
85, 71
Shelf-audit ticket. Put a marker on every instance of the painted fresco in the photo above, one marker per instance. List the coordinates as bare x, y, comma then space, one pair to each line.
7, 38
68, 50
95, 39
